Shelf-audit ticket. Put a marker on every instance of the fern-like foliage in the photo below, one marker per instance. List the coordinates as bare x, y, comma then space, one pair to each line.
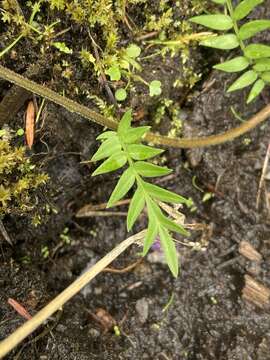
255, 58
124, 147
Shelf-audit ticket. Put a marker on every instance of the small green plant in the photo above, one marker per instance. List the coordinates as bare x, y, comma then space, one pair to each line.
18, 178
12, 14
124, 147
255, 58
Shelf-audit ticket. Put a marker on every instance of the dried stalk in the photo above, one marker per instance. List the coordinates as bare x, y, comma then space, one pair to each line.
27, 328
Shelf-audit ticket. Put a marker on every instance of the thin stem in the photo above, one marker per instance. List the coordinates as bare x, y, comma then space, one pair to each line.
10, 46
235, 25
91, 115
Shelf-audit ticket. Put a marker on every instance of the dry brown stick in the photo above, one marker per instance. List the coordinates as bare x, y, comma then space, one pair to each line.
102, 213
256, 292
28, 327
102, 73
125, 269
4, 233
85, 112
89, 207
265, 165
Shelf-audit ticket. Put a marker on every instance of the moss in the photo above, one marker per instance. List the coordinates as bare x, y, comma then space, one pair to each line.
19, 180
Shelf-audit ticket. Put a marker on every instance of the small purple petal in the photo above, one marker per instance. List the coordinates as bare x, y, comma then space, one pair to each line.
156, 245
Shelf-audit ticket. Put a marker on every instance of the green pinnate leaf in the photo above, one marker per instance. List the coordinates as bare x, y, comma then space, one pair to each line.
169, 249
106, 135
252, 28
142, 152
266, 76
135, 208
146, 169
216, 21
262, 65
172, 225
114, 162
151, 234
165, 195
220, 2
257, 88
223, 42
124, 184
125, 123
135, 134
245, 7
234, 65
257, 51
243, 81
107, 148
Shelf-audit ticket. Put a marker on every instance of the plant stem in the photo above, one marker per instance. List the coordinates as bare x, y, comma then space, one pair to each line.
91, 115
10, 46
235, 25
51, 95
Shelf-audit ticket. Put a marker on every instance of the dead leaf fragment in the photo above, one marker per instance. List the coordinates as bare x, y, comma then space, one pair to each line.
19, 308
30, 124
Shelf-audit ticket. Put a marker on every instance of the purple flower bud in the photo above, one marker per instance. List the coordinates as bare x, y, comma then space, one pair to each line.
156, 245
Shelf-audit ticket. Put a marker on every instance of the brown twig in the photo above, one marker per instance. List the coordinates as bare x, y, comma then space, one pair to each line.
102, 73
125, 269
85, 112
102, 213
265, 165
4, 233
89, 207
255, 292
28, 327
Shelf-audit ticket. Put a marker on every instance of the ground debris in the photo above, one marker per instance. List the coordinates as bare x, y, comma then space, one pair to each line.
255, 292
142, 308
249, 252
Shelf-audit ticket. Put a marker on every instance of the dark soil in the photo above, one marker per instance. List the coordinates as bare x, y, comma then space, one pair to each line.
207, 319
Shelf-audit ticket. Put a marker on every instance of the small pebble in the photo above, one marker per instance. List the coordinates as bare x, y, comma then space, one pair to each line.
142, 308
94, 333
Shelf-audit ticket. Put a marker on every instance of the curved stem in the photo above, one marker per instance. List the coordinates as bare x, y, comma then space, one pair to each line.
85, 112
28, 327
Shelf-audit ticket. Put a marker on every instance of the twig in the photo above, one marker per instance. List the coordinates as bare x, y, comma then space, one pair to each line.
89, 207
249, 252
125, 269
102, 213
4, 233
85, 112
256, 292
147, 36
27, 328
102, 73
265, 165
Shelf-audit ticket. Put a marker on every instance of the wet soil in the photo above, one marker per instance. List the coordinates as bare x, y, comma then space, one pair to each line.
207, 318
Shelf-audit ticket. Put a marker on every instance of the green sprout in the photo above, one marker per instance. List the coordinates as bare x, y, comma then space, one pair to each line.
124, 148
255, 58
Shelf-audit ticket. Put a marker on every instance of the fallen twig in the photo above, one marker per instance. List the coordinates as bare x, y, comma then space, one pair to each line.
4, 233
255, 292
265, 165
125, 269
28, 327
90, 207
85, 112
